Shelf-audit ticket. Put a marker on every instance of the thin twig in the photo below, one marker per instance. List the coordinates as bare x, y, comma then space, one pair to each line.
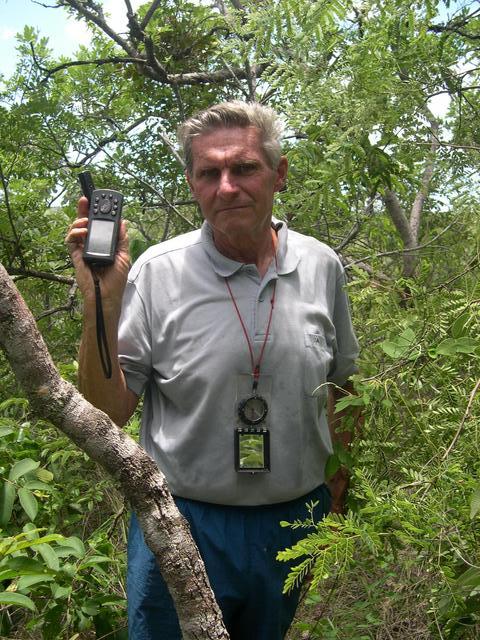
104, 142
466, 415
151, 188
406, 250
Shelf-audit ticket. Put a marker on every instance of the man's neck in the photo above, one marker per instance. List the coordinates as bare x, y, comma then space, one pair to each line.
258, 253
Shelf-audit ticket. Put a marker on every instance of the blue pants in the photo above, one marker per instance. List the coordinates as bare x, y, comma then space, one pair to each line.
238, 546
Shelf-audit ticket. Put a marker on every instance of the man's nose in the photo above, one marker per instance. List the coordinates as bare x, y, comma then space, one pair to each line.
227, 185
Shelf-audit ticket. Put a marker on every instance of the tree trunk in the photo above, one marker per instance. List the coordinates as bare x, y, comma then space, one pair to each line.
166, 531
409, 228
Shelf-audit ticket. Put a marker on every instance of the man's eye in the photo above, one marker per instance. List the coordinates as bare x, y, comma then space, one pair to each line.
246, 169
208, 173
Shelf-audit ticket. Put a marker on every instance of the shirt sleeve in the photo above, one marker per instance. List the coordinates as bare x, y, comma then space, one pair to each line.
134, 340
345, 344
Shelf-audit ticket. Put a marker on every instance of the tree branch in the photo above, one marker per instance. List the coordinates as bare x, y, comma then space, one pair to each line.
450, 29
104, 142
93, 13
165, 530
427, 175
386, 254
42, 275
160, 72
151, 10
352, 234
133, 26
215, 76
148, 65
151, 188
81, 63
17, 245
68, 306
174, 79
399, 218
169, 143
466, 415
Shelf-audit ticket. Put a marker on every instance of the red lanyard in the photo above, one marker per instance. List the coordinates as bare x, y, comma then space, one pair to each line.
255, 366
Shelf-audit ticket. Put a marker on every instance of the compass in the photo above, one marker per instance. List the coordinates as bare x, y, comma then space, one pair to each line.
253, 410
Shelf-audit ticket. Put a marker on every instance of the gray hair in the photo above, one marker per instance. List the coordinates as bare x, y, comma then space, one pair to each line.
234, 114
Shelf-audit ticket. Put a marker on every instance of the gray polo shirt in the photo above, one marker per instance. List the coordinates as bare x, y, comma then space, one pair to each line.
182, 345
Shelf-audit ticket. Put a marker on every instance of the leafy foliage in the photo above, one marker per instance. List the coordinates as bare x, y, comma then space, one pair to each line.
63, 578
415, 496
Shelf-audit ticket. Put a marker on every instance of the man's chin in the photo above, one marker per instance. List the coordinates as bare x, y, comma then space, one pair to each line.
235, 223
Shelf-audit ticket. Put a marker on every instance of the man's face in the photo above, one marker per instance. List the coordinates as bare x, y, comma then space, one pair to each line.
233, 182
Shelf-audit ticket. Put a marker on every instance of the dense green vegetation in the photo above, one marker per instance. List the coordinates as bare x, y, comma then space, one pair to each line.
377, 174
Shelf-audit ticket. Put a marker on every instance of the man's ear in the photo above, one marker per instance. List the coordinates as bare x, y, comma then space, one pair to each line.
281, 177
190, 184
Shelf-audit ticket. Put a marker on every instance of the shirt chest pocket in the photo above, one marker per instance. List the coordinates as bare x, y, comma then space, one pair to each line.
318, 359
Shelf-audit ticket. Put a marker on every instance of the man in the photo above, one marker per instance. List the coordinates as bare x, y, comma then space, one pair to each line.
231, 333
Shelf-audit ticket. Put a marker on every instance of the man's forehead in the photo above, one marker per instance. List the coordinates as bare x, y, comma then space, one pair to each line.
237, 143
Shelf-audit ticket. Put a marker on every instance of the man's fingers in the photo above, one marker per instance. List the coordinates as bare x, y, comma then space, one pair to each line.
123, 237
77, 231
82, 208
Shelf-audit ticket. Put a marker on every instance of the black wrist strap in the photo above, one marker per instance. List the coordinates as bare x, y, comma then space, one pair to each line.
102, 342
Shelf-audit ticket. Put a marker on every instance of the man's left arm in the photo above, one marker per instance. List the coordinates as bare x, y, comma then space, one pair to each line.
343, 434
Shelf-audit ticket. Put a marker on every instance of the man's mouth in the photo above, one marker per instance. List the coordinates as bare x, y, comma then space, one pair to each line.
232, 208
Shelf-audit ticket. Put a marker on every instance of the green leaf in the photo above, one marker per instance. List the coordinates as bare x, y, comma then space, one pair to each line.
37, 541
22, 566
6, 431
75, 544
22, 467
475, 503
36, 485
31, 531
469, 579
108, 599
452, 346
90, 608
7, 498
44, 475
401, 345
332, 466
13, 598
344, 456
29, 502
351, 400
93, 561
59, 592
49, 555
458, 329
25, 582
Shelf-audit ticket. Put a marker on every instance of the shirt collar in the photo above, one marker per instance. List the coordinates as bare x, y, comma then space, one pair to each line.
287, 259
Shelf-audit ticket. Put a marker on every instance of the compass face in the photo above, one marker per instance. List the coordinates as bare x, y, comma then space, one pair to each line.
253, 410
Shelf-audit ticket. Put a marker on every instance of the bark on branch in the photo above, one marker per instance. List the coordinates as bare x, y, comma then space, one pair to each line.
173, 79
456, 26
145, 57
166, 532
42, 275
17, 245
408, 227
